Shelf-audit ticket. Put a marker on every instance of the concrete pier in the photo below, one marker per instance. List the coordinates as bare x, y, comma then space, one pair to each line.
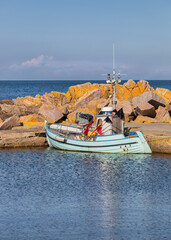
23, 137
158, 136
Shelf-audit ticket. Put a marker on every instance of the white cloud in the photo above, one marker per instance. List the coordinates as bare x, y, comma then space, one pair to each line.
34, 62
49, 62
47, 67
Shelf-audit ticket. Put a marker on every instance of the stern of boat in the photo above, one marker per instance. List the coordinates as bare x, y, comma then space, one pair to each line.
145, 145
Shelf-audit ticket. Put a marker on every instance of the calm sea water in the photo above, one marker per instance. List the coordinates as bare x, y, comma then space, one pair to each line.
13, 89
47, 194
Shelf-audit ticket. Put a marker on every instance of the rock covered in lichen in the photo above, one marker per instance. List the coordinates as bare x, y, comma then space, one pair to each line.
137, 100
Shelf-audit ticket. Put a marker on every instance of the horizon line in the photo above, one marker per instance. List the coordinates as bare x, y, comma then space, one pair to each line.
81, 79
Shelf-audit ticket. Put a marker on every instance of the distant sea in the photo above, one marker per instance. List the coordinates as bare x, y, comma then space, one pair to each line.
10, 89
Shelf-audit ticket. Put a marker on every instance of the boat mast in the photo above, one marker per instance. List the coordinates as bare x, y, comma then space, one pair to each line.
115, 79
113, 60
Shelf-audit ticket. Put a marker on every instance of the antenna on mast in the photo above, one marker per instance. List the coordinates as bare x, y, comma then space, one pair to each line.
115, 79
113, 60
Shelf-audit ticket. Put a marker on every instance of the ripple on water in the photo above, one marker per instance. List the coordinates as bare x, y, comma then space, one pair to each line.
50, 194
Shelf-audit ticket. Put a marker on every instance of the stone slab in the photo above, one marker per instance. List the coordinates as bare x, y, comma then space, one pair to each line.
50, 113
87, 97
151, 98
9, 123
146, 109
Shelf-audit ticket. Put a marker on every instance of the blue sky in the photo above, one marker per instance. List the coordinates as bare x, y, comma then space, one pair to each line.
72, 39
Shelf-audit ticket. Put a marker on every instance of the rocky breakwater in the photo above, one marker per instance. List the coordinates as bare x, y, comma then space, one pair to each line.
140, 102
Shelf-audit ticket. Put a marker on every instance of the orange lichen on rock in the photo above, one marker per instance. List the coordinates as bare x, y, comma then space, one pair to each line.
127, 91
164, 93
119, 92
130, 84
93, 107
163, 115
75, 92
55, 98
102, 103
72, 117
87, 97
90, 98
78, 91
144, 86
122, 93
32, 119
105, 90
141, 87
29, 101
136, 92
159, 144
144, 119
131, 89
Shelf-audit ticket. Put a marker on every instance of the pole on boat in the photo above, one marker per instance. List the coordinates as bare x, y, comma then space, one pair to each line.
115, 79
113, 59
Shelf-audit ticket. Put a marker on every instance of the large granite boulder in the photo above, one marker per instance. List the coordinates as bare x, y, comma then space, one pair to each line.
164, 93
71, 117
149, 97
9, 123
146, 109
75, 92
131, 89
144, 86
126, 105
87, 97
169, 106
64, 110
78, 91
130, 84
94, 106
123, 93
50, 113
28, 101
163, 115
7, 110
101, 103
127, 110
32, 119
54, 98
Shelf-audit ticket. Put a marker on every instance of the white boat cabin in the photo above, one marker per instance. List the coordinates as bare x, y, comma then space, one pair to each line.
110, 122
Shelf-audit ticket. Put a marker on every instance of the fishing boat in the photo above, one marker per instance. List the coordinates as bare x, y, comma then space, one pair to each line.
108, 135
